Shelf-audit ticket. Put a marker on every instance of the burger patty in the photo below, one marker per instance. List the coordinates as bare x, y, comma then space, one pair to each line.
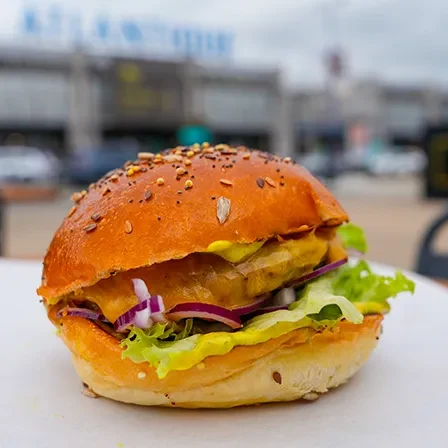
209, 278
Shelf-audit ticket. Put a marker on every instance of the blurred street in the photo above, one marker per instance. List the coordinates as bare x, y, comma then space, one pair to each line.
390, 210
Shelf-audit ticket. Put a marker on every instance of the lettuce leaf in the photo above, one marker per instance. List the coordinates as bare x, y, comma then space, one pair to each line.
367, 290
353, 237
165, 356
346, 293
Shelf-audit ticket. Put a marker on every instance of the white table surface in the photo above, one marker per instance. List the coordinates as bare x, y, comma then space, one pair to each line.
399, 399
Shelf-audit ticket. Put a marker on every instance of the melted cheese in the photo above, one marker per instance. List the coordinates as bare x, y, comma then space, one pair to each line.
208, 278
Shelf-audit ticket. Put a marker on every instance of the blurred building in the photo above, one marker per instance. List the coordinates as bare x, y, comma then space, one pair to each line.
65, 100
392, 114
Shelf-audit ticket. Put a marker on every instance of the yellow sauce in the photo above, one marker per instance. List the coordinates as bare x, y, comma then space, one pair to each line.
234, 252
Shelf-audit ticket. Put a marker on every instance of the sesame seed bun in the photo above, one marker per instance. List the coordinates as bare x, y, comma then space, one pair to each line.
301, 364
168, 206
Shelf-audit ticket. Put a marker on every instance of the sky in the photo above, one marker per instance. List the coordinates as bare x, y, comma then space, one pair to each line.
399, 41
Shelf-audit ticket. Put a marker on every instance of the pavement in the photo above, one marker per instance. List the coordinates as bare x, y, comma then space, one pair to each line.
391, 211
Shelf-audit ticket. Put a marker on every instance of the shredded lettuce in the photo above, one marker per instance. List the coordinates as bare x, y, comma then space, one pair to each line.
165, 356
353, 237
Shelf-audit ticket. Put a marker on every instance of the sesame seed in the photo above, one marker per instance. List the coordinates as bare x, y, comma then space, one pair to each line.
270, 182
72, 210
180, 171
222, 209
158, 218
83, 193
148, 195
277, 377
260, 182
114, 177
141, 375
278, 170
226, 182
191, 176
173, 157
105, 191
287, 159
282, 177
196, 150
91, 186
210, 156
246, 156
213, 198
282, 184
205, 144
76, 197
160, 181
95, 217
188, 162
177, 202
89, 228
179, 191
190, 153
188, 184
131, 201
145, 155
127, 227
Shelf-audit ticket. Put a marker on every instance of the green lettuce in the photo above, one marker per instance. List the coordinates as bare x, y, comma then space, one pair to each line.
165, 356
367, 290
346, 293
353, 237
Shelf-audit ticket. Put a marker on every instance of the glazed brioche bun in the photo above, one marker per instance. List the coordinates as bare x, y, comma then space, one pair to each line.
168, 207
301, 364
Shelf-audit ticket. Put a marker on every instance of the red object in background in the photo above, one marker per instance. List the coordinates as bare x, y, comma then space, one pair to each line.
334, 63
358, 134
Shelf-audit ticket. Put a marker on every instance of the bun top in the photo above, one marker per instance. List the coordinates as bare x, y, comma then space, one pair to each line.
169, 205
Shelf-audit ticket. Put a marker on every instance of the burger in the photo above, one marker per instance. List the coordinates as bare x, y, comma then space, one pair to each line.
212, 276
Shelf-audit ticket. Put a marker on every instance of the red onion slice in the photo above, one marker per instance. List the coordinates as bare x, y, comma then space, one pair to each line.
205, 311
140, 289
129, 317
268, 309
142, 315
81, 312
247, 309
318, 272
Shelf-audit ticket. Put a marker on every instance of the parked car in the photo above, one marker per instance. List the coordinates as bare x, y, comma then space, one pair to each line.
23, 164
86, 165
322, 164
396, 161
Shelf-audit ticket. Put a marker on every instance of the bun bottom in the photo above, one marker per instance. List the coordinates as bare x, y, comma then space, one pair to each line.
292, 370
